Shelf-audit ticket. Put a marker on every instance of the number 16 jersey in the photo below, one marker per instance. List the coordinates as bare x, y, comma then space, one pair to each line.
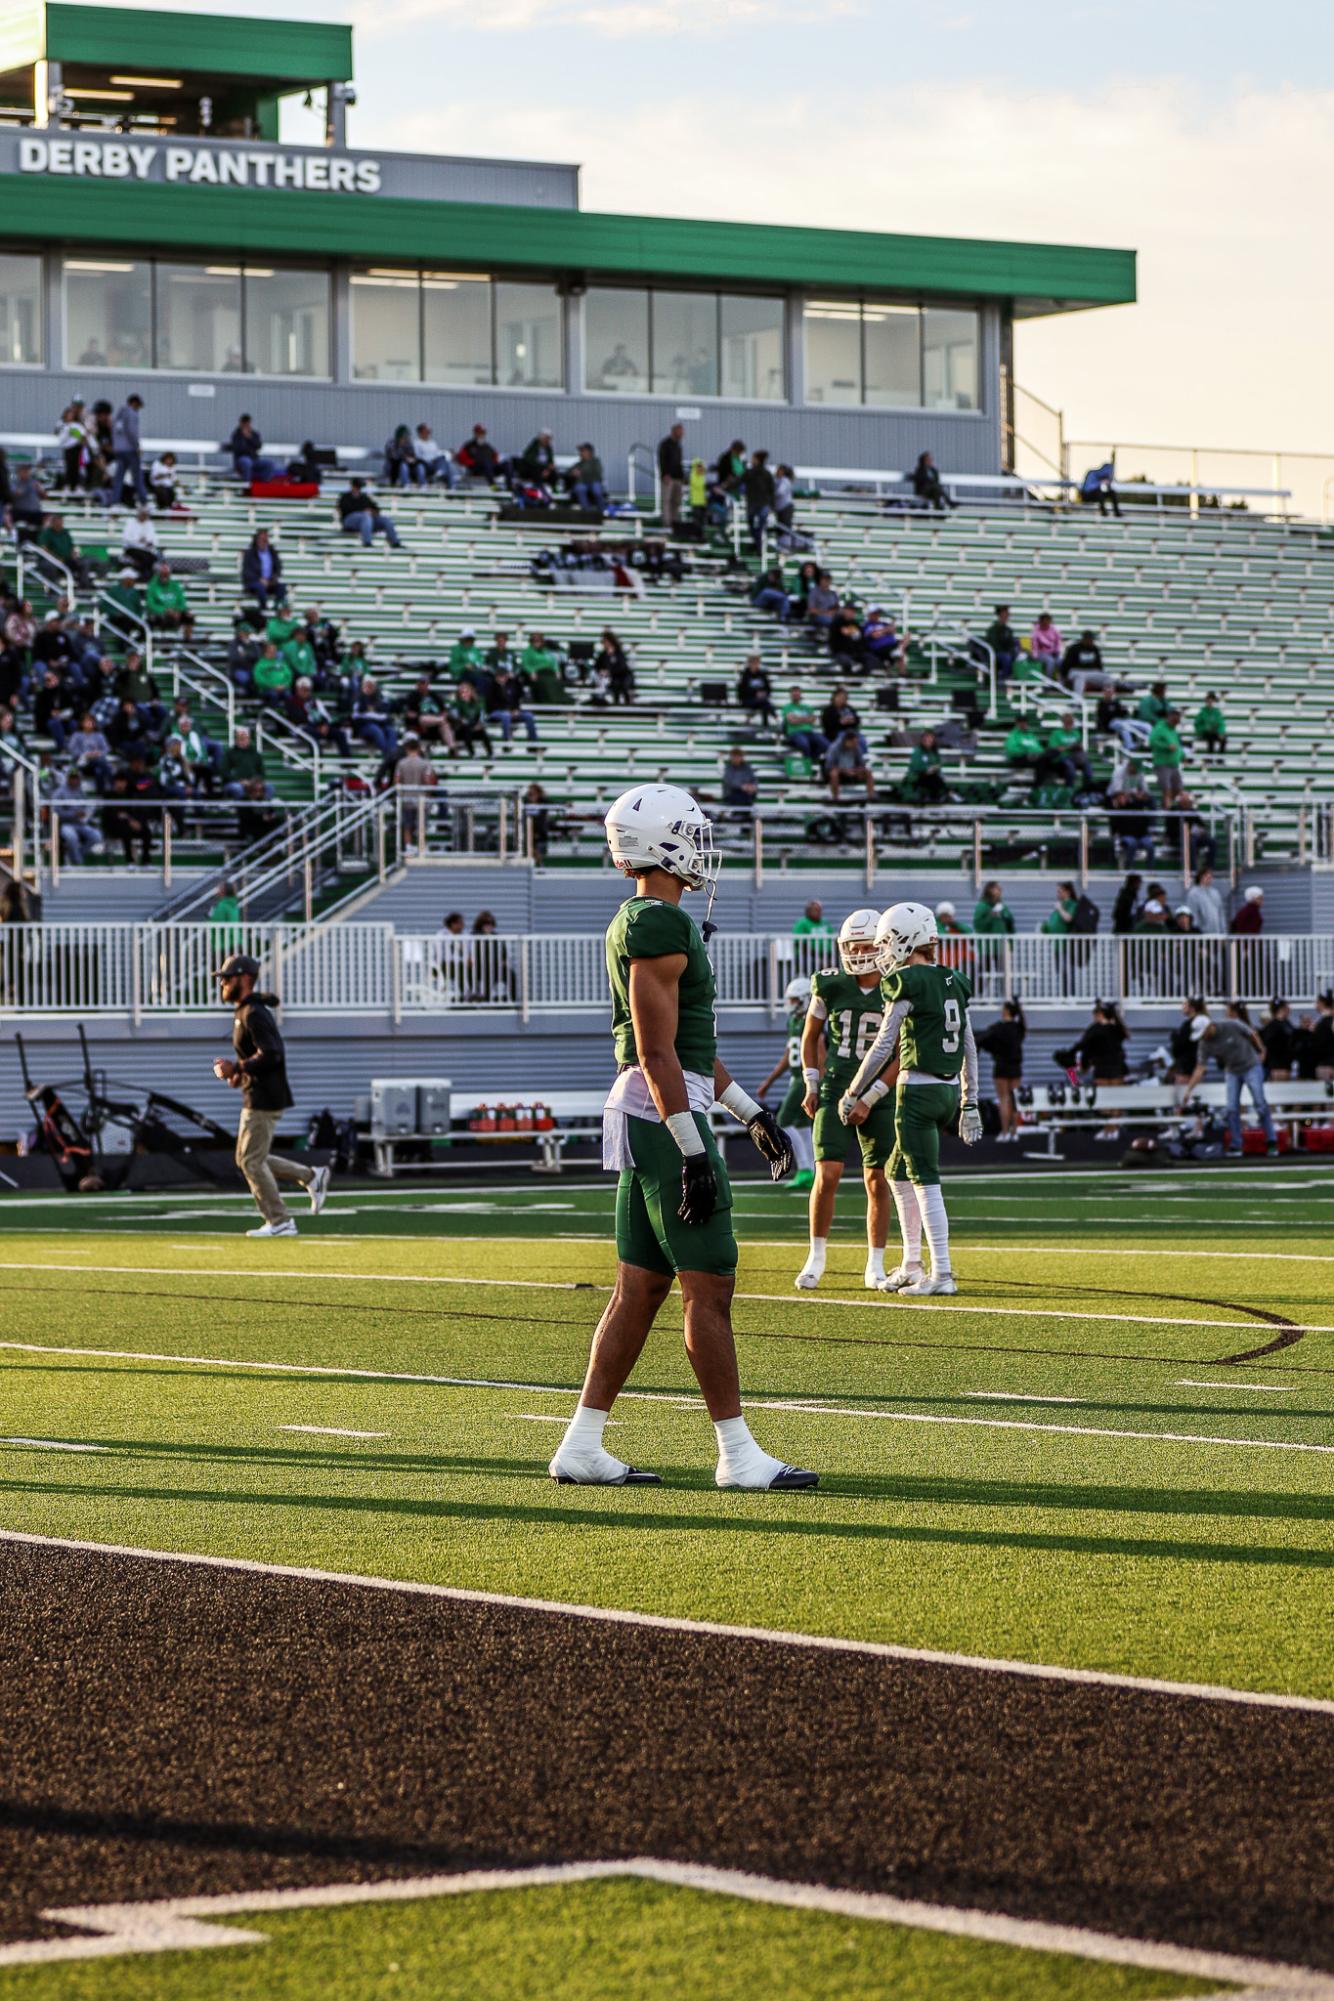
931, 1037
853, 1015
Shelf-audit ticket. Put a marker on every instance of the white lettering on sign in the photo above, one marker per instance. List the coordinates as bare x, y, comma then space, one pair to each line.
207, 166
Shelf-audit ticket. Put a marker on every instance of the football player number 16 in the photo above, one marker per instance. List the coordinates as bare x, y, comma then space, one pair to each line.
949, 1041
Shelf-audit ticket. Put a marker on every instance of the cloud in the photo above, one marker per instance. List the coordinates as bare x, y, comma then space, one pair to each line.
622, 21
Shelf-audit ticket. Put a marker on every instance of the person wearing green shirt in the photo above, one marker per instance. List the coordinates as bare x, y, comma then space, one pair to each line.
1059, 921
465, 655
1153, 707
927, 1027
1211, 726
813, 923
797, 720
56, 539
300, 656
240, 763
280, 628
1067, 755
993, 917
125, 594
467, 716
1004, 642
541, 664
225, 916
1165, 755
165, 604
272, 676
673, 1197
1023, 747
924, 784
792, 1114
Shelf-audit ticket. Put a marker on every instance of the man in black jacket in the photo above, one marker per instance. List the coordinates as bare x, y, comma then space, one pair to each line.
672, 475
259, 1072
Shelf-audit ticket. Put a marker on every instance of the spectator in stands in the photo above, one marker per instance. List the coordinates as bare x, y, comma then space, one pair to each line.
307, 468
501, 654
307, 712
697, 489
1165, 756
948, 923
1182, 921
883, 645
1211, 727
57, 541
139, 544
1204, 901
1280, 1039
754, 691
162, 476
537, 821
769, 592
359, 513
90, 753
1081, 665
1250, 918
402, 467
52, 711
612, 660
225, 913
125, 820
371, 719
424, 713
72, 444
837, 714
845, 762
1152, 921
845, 641
273, 678
25, 511
813, 923
1322, 1038
1153, 707
174, 779
1046, 644
255, 820
740, 785
1024, 748
798, 726
127, 465
1067, 758
165, 604
1060, 919
588, 486
1003, 640
467, 717
926, 484
465, 655
436, 461
241, 763
993, 917
1003, 1042
479, 457
1096, 485
541, 663
671, 476
506, 700
134, 683
822, 603
262, 571
247, 449
729, 474
924, 784
1112, 718
784, 498
537, 462
413, 773
1239, 1054
758, 491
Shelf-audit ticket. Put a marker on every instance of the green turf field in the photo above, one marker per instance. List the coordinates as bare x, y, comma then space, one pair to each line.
1068, 1464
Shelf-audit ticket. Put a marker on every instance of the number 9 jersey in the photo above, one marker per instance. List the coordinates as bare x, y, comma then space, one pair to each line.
931, 1035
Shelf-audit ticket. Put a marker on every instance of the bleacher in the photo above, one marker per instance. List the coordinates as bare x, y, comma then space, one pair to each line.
1215, 601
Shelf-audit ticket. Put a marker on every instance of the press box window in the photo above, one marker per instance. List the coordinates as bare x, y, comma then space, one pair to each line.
20, 311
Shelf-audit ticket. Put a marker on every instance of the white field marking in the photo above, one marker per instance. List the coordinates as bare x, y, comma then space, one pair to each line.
179, 1923
1195, 1383
545, 1417
53, 1445
1019, 1396
332, 1431
806, 1406
1315, 1705
881, 1303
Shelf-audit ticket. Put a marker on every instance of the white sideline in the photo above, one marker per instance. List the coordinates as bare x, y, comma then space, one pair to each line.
332, 1431
807, 1406
177, 1923
664, 1622
879, 1303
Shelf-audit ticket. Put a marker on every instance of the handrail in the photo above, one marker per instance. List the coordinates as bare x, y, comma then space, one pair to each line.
204, 692
635, 464
29, 555
110, 609
305, 838
27, 816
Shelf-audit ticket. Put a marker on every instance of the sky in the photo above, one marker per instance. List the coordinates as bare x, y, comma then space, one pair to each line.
1198, 132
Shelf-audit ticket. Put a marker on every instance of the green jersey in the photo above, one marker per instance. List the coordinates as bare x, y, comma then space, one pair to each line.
646, 928
796, 1022
852, 1018
931, 1037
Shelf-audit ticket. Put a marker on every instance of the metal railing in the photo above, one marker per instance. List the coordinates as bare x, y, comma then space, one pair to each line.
139, 970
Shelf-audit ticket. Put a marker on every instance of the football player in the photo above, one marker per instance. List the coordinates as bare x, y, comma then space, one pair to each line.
927, 1029
845, 1014
673, 1200
792, 1114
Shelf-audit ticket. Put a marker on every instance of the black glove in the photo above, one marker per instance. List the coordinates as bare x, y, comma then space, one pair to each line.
773, 1143
699, 1189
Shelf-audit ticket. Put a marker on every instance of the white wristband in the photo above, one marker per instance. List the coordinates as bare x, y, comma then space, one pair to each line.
811, 1079
682, 1127
739, 1103
874, 1092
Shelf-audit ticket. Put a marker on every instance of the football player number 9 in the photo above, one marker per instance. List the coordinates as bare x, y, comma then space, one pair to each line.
949, 1041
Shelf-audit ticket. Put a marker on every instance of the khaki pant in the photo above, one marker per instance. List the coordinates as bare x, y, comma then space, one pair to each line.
673, 492
264, 1169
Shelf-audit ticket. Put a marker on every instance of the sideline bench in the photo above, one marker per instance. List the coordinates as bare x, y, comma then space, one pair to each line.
1058, 1108
577, 1115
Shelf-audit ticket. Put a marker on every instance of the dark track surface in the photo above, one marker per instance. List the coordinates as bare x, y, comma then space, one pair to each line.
175, 1729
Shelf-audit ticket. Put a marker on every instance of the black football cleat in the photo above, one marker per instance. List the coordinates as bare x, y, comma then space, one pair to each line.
789, 1479
633, 1478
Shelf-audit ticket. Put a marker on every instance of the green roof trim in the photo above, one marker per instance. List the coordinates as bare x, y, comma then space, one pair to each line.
295, 53
492, 237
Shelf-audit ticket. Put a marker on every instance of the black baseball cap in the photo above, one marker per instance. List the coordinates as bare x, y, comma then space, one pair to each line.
235, 963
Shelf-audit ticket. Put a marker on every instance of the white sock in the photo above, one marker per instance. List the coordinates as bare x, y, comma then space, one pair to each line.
936, 1224
583, 1434
875, 1261
815, 1257
740, 1456
910, 1222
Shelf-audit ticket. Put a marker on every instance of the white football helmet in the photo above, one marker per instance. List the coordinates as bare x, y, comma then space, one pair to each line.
797, 993
660, 826
856, 941
903, 928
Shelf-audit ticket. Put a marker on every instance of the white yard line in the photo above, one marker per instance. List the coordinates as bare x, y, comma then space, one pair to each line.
181, 1923
52, 1445
662, 1622
332, 1431
1197, 1383
1018, 1396
807, 1406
